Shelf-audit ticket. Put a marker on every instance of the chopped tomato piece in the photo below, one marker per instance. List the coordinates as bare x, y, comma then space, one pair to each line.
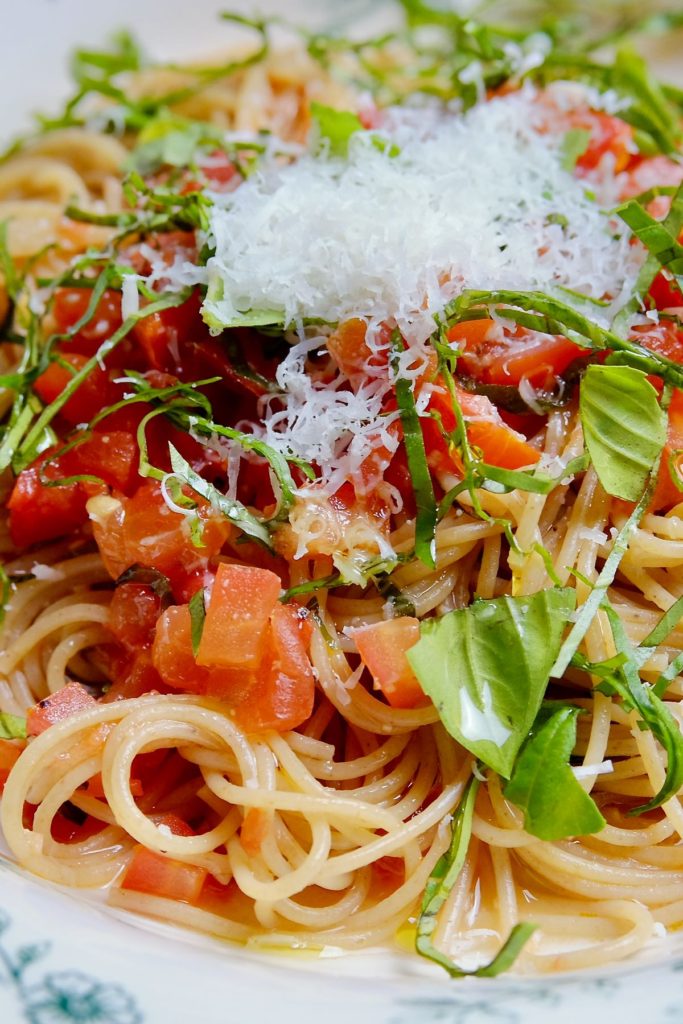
144, 530
9, 755
112, 455
254, 830
499, 444
350, 350
38, 513
66, 702
95, 393
667, 493
71, 304
153, 873
283, 690
132, 679
175, 662
173, 822
495, 357
607, 135
382, 648
160, 334
95, 786
133, 614
242, 601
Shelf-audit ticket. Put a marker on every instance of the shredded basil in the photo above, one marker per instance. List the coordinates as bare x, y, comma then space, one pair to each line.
12, 727
441, 882
197, 616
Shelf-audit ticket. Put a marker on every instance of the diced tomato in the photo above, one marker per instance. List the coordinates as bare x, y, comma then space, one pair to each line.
70, 826
71, 304
112, 455
38, 513
9, 755
382, 648
649, 172
219, 170
388, 874
161, 334
664, 339
172, 651
66, 702
350, 350
153, 873
134, 677
173, 822
608, 135
95, 786
499, 444
667, 494
242, 601
495, 357
254, 830
133, 614
144, 530
283, 690
95, 393
664, 293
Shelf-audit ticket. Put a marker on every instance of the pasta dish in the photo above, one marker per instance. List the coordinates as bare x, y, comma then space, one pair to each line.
342, 536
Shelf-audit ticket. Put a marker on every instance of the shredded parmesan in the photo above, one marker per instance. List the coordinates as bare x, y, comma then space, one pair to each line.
470, 201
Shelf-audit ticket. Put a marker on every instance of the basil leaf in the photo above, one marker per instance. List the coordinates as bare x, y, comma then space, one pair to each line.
486, 668
12, 727
152, 578
636, 696
554, 803
654, 235
624, 427
234, 511
425, 523
574, 145
438, 888
197, 616
333, 128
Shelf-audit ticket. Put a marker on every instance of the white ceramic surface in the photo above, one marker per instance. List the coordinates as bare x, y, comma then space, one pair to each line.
65, 958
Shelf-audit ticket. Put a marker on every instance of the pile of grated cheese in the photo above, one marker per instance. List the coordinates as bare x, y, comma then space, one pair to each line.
480, 200
474, 201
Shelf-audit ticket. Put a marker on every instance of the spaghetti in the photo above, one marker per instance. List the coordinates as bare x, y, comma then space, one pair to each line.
249, 566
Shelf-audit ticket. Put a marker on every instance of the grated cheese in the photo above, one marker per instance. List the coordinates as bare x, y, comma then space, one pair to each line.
465, 204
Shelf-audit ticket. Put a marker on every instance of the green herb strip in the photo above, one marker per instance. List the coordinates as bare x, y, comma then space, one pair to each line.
197, 617
441, 882
12, 727
423, 489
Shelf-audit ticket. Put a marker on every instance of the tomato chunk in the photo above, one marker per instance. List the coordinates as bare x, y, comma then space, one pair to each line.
283, 690
96, 391
242, 600
497, 357
382, 648
9, 755
38, 513
71, 304
66, 702
153, 873
499, 444
133, 614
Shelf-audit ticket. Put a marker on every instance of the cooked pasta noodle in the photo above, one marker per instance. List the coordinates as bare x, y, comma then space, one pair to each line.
324, 832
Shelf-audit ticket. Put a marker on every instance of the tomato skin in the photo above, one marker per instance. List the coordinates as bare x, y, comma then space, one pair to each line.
68, 701
242, 600
113, 456
133, 614
95, 393
157, 875
382, 647
664, 293
172, 651
70, 304
134, 677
